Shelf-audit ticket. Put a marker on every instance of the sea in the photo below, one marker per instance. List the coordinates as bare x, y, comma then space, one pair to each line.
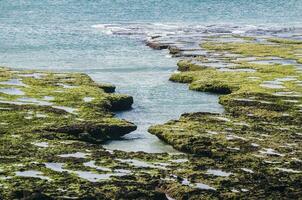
106, 40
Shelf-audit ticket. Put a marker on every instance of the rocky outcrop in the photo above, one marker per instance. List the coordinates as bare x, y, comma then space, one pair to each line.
254, 146
66, 103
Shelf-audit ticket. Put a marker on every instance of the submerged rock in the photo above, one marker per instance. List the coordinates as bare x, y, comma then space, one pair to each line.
157, 45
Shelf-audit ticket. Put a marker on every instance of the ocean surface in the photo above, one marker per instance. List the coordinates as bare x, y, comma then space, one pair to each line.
105, 38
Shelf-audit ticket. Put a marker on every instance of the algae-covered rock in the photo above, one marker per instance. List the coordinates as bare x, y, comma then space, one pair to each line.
121, 102
107, 87
157, 45
184, 65
256, 142
62, 103
51, 127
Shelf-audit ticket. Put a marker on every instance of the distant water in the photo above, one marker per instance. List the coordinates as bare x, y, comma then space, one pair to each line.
61, 34
105, 39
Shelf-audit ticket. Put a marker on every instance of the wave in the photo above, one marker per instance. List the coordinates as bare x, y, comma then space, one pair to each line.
151, 30
188, 36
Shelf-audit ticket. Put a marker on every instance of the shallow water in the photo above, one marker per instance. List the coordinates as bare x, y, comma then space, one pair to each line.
201, 186
94, 177
17, 82
156, 101
90, 176
93, 165
85, 36
67, 109
74, 155
34, 101
41, 144
218, 172
12, 91
31, 173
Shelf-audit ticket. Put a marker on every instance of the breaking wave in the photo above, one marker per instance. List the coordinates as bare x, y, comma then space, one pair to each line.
148, 30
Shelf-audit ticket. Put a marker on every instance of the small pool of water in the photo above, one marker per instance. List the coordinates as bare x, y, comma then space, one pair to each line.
74, 155
12, 91
93, 165
41, 144
17, 82
67, 109
218, 172
32, 173
201, 186
279, 61
88, 175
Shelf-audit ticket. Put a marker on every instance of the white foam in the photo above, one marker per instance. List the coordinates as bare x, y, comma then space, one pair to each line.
183, 30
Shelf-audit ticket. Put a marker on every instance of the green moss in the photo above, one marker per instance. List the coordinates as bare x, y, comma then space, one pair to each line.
237, 142
247, 38
284, 41
184, 65
66, 103
256, 49
257, 136
39, 127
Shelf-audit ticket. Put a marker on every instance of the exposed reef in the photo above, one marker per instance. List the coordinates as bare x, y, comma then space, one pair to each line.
44, 117
258, 138
55, 103
52, 126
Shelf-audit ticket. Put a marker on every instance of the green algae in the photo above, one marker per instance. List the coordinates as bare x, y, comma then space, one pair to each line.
50, 118
51, 136
63, 163
284, 41
185, 65
256, 49
247, 38
257, 139
55, 103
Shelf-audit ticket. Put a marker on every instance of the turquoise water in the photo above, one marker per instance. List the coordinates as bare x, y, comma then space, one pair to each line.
105, 39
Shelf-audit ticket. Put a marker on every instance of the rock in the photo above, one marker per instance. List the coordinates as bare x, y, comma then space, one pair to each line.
107, 87
157, 45
257, 132
174, 50
123, 102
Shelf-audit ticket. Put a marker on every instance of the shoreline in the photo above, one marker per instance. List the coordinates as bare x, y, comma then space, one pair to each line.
245, 151
262, 119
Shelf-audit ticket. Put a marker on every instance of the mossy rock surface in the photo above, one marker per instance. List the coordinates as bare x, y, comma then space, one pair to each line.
44, 115
52, 126
258, 137
51, 143
61, 103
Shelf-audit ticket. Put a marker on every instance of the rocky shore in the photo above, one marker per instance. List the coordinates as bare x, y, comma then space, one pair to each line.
257, 141
53, 126
51, 134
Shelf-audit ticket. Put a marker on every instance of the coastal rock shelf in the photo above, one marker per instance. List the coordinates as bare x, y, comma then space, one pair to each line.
56, 105
52, 126
258, 138
45, 118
